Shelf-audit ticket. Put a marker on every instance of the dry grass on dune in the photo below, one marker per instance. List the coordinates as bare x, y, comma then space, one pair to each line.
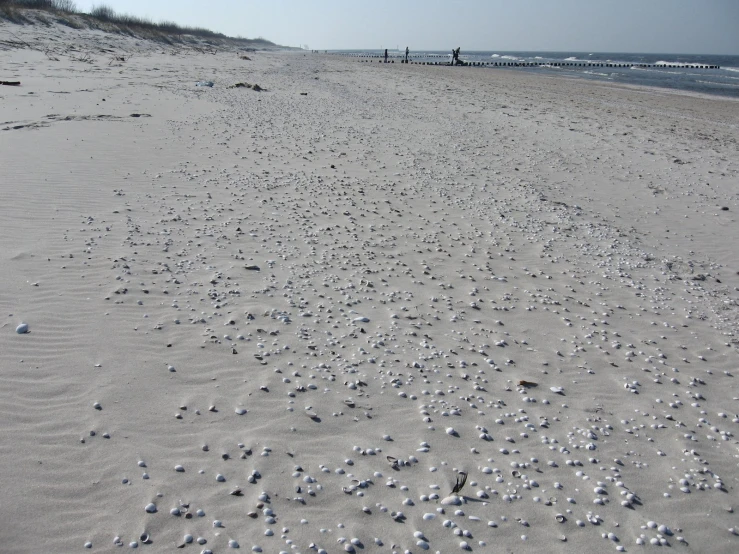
105, 18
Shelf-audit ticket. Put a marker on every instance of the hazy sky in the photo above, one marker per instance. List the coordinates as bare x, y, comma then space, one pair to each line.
658, 26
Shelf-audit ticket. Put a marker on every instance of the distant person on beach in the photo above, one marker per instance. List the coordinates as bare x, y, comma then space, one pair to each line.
406, 54
455, 55
385, 55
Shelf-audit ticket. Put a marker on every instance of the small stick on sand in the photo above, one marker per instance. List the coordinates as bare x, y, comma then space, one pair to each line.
461, 480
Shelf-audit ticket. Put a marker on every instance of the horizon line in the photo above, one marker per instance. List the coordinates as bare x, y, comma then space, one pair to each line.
587, 52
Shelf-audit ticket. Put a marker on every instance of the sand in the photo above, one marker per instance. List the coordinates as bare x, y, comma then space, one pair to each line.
302, 312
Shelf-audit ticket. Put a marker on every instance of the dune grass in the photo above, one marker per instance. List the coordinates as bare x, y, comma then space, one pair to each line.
104, 17
12, 7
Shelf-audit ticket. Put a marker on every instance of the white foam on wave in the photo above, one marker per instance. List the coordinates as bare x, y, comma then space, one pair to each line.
571, 59
510, 58
656, 70
495, 56
735, 69
720, 84
598, 73
681, 64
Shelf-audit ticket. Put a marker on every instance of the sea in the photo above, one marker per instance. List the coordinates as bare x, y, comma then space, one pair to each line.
670, 71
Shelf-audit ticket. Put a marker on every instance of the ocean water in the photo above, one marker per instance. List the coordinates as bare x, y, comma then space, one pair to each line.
722, 82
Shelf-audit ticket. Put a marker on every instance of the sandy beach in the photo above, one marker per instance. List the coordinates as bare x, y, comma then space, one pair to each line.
291, 320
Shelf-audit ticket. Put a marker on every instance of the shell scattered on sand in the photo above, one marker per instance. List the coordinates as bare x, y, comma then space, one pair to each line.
413, 285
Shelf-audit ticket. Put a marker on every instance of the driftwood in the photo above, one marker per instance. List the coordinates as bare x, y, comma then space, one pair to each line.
247, 85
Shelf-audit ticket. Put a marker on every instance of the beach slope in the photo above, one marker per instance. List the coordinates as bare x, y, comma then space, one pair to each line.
293, 319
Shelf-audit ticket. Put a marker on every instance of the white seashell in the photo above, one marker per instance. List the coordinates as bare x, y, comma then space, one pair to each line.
451, 431
240, 411
233, 544
558, 390
361, 320
151, 508
452, 500
220, 478
179, 468
217, 523
22, 329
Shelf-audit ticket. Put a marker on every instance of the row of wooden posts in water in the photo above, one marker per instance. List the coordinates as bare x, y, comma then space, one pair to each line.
381, 59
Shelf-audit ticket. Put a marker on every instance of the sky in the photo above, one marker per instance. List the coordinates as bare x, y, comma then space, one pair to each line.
653, 26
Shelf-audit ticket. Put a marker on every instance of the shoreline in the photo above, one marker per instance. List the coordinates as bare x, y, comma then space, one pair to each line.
531, 70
